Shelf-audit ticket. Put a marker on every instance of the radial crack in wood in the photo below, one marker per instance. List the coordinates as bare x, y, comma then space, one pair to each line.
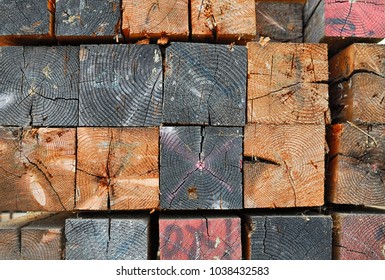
201, 168
38, 169
117, 168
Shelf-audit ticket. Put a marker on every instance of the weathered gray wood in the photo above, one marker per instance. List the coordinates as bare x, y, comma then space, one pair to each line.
205, 84
289, 237
120, 85
26, 22
86, 238
10, 235
129, 238
43, 239
123, 237
39, 86
200, 167
309, 8
87, 21
280, 21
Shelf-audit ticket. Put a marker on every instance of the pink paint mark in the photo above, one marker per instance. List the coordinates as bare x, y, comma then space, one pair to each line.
200, 165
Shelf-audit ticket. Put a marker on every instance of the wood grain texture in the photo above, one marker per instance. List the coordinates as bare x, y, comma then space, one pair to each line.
357, 76
37, 169
129, 238
359, 236
340, 23
280, 21
156, 18
200, 238
356, 170
223, 20
43, 239
205, 84
39, 86
88, 21
309, 9
26, 22
86, 238
117, 168
289, 237
286, 167
361, 99
200, 167
10, 246
355, 59
287, 84
120, 85
107, 238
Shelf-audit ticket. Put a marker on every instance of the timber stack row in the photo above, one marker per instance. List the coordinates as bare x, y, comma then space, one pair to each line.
192, 129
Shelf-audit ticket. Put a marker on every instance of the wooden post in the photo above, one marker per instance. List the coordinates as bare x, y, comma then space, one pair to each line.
43, 239
88, 21
359, 236
340, 23
154, 19
205, 84
37, 169
201, 167
287, 84
107, 238
117, 168
357, 76
288, 237
27, 22
223, 21
200, 238
10, 247
356, 169
285, 166
280, 21
120, 85
39, 86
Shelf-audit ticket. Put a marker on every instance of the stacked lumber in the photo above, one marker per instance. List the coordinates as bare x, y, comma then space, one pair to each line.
102, 237
200, 166
287, 108
11, 236
212, 112
356, 171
